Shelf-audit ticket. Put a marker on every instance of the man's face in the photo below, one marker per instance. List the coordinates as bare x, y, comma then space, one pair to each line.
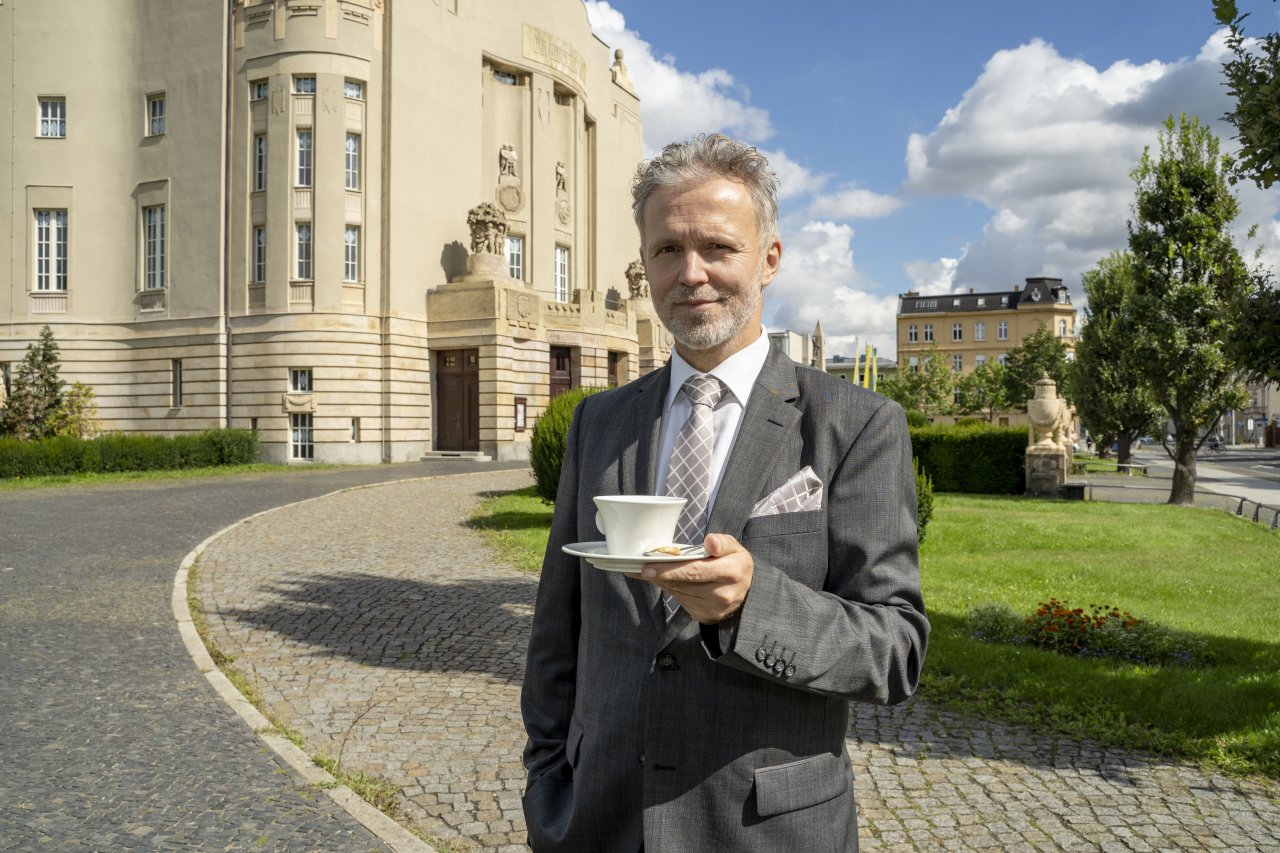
705, 268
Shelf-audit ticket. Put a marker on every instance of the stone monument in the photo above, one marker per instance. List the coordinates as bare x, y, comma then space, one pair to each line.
488, 258
1047, 463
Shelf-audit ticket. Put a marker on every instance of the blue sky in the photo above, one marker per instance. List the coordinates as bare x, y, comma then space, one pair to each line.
930, 144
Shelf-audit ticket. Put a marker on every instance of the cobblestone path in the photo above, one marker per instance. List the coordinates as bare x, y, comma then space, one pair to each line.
377, 624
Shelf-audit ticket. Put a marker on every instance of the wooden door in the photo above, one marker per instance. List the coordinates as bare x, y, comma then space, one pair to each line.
458, 399
561, 370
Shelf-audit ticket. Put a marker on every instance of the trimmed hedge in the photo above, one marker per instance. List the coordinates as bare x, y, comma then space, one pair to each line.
977, 460
117, 452
550, 434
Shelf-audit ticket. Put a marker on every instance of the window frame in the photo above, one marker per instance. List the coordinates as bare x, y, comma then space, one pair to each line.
259, 90
260, 148
304, 261
304, 158
957, 331
560, 279
302, 446
46, 120
913, 333
157, 120
304, 84
928, 333
351, 254
957, 363
175, 383
515, 259
155, 219
302, 380
1002, 330
351, 162
349, 86
51, 270
258, 274
979, 331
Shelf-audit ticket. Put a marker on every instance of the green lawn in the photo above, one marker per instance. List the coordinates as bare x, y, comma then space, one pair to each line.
1199, 571
10, 484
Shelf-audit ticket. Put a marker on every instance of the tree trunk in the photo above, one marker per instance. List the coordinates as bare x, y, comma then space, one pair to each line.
1125, 442
1183, 492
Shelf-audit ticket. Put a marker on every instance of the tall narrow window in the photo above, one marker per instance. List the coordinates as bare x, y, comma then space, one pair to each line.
957, 363
304, 85
1002, 330
353, 161
53, 118
303, 251
957, 331
153, 243
304, 158
301, 445
259, 254
928, 332
51, 250
175, 383
979, 331
259, 162
1062, 328
351, 254
155, 115
515, 257
562, 274
913, 333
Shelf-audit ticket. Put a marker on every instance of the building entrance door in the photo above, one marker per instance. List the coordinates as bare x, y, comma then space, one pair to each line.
561, 371
458, 399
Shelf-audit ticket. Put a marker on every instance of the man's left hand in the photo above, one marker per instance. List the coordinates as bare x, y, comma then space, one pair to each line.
711, 589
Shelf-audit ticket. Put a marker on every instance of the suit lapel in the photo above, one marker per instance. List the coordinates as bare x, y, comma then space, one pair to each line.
639, 465
768, 422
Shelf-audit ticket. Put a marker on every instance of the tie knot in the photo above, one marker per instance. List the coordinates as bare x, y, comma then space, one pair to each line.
704, 390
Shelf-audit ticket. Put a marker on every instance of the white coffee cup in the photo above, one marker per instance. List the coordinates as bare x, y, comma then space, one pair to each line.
634, 524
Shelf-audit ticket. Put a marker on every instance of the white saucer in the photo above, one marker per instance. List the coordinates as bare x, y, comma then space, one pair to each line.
595, 554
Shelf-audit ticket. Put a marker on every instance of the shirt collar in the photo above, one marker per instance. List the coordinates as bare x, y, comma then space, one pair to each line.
738, 372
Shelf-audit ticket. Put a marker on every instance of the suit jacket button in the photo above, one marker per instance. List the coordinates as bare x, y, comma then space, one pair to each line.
666, 662
760, 653
769, 661
779, 667
789, 671
642, 758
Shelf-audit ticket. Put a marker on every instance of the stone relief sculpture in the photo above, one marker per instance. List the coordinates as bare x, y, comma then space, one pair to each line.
636, 281
507, 161
562, 177
488, 227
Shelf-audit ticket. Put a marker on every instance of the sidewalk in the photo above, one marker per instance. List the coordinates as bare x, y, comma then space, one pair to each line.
376, 624
1217, 486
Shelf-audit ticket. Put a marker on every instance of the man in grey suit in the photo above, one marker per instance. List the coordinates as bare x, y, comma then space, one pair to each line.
722, 727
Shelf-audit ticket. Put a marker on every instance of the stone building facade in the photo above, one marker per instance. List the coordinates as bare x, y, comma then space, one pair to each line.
255, 213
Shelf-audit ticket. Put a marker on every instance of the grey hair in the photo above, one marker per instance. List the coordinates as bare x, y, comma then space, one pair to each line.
704, 157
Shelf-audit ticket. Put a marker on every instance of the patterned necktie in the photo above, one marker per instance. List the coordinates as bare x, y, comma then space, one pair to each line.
689, 473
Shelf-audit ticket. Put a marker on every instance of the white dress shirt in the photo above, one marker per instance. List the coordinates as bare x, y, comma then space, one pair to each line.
739, 373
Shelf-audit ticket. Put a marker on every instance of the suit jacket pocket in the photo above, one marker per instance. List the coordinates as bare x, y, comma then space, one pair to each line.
784, 524
800, 784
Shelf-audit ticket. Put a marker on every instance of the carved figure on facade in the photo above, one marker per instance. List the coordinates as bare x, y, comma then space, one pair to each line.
507, 161
562, 177
488, 227
619, 71
636, 281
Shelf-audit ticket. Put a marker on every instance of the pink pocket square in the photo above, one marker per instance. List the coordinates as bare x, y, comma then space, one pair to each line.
802, 491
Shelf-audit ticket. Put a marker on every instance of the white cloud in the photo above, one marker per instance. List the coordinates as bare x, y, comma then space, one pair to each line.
1047, 143
932, 278
676, 104
853, 202
819, 282
793, 179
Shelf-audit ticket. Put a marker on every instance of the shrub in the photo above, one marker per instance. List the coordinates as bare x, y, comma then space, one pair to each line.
971, 422
924, 500
917, 418
108, 453
546, 447
1101, 631
978, 460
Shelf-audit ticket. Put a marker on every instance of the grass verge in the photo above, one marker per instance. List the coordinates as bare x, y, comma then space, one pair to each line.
379, 792
1202, 572
515, 525
11, 484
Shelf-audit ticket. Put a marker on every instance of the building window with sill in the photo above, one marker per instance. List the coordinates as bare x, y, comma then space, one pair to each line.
153, 243
155, 115
53, 118
562, 274
51, 251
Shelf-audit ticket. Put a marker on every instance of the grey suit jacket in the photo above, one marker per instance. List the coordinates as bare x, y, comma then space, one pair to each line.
687, 737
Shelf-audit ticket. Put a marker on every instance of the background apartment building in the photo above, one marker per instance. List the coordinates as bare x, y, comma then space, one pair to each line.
255, 213
973, 328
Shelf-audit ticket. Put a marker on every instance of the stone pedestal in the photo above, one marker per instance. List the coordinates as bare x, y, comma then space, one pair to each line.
1045, 471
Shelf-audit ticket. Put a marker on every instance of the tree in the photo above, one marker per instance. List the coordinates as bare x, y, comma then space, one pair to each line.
927, 388
1109, 391
1039, 353
1187, 276
76, 415
36, 391
1253, 79
983, 391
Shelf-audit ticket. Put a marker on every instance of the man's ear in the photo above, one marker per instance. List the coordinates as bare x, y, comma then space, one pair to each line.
770, 262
